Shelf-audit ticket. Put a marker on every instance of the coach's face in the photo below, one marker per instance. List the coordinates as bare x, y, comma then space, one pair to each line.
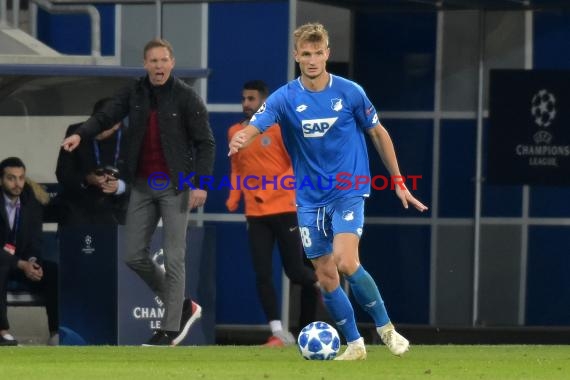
158, 63
12, 181
312, 58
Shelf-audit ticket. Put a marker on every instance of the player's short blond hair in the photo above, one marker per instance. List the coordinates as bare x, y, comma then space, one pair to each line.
312, 32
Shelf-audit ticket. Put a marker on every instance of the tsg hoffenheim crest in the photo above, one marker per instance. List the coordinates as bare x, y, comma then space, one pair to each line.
336, 104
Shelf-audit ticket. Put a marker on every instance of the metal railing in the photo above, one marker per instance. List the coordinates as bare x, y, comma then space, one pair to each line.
52, 8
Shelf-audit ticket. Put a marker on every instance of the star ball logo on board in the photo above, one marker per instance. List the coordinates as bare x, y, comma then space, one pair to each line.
88, 249
543, 112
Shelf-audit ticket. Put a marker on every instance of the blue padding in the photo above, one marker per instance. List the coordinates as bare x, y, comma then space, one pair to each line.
398, 258
551, 45
217, 195
414, 147
239, 54
549, 202
548, 283
68, 337
71, 33
498, 200
236, 296
398, 73
457, 169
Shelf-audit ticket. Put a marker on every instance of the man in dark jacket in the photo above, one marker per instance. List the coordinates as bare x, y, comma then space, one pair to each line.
94, 191
20, 239
170, 141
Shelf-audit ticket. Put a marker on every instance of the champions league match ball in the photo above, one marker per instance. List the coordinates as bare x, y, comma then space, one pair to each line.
318, 341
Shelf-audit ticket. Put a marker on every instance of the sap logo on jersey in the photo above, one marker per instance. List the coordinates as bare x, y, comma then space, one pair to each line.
317, 127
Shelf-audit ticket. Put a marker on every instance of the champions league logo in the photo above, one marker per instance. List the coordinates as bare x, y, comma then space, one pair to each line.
529, 129
88, 248
543, 108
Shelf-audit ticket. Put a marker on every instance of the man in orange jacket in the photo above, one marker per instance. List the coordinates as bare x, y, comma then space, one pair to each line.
263, 174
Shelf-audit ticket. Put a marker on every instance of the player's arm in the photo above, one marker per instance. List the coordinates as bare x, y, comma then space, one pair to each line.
232, 203
385, 148
242, 138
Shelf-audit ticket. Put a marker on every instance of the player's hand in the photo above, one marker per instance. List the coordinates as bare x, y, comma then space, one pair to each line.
197, 198
232, 205
407, 198
70, 143
236, 143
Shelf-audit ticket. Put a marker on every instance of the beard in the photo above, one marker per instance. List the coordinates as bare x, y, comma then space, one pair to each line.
12, 193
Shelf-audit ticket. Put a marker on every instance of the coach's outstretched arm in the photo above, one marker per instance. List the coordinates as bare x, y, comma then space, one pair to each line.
71, 142
242, 138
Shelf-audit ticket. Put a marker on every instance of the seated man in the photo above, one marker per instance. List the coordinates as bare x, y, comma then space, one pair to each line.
20, 239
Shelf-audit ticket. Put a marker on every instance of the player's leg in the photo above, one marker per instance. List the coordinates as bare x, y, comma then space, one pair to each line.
295, 264
316, 237
348, 222
291, 251
261, 241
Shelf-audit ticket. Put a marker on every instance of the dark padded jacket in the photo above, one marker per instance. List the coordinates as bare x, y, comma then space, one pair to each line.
186, 137
29, 234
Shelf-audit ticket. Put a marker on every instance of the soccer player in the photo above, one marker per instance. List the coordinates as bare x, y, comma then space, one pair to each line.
270, 212
324, 119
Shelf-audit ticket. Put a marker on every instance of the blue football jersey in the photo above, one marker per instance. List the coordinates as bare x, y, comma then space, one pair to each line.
324, 135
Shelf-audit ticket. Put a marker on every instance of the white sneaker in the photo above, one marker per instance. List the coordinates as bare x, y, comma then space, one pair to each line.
354, 351
396, 343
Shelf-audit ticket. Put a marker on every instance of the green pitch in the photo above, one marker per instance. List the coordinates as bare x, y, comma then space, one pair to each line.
249, 362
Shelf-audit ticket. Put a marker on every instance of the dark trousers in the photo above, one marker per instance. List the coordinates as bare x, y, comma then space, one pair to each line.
47, 287
263, 232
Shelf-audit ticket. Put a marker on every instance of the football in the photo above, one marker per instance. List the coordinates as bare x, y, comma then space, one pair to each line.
318, 341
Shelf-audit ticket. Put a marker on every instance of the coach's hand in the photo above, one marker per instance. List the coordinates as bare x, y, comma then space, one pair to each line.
197, 198
70, 143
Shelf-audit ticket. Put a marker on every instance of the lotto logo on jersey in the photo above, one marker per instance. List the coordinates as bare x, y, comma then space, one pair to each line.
317, 127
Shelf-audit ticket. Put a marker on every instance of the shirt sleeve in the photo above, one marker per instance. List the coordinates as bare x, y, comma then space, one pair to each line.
268, 113
363, 109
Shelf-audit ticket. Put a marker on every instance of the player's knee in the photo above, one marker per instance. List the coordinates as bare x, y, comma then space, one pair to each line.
346, 266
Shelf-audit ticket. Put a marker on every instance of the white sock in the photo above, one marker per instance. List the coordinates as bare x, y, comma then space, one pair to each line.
357, 342
382, 329
275, 326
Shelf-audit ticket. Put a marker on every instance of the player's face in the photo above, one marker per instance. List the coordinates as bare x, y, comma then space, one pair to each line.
12, 181
250, 102
158, 64
312, 58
